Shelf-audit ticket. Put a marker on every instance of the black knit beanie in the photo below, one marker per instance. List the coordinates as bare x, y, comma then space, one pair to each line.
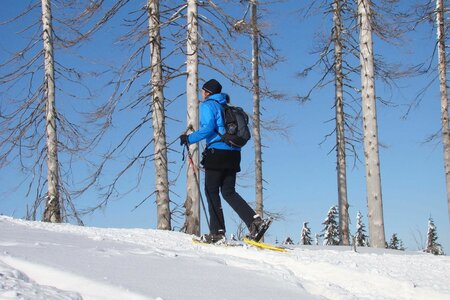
212, 86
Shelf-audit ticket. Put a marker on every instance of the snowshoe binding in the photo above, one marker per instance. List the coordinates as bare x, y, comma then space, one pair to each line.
258, 228
213, 238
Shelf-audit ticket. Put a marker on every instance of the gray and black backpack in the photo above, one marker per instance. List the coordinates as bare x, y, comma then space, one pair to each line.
237, 132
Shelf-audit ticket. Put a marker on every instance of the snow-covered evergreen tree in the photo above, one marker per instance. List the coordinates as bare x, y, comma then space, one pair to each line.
306, 235
360, 235
396, 243
288, 241
433, 246
330, 232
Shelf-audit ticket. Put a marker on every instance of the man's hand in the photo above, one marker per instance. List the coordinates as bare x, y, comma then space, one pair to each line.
184, 140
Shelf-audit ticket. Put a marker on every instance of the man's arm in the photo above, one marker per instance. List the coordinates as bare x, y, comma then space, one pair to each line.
207, 124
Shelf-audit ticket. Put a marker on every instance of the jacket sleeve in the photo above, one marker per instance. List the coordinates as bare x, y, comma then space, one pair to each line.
207, 124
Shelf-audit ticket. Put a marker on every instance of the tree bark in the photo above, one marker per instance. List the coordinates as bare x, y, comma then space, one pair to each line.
371, 154
256, 111
52, 212
158, 118
340, 126
192, 203
440, 20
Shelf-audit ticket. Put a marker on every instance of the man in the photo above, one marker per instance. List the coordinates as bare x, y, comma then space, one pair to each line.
221, 162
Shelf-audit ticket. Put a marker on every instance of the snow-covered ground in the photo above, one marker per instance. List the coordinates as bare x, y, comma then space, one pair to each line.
48, 261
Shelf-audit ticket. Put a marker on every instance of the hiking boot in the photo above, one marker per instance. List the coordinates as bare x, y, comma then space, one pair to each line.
256, 227
213, 238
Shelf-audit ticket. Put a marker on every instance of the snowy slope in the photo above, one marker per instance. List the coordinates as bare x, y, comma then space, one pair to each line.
48, 261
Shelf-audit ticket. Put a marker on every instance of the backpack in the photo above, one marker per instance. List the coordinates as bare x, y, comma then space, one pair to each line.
235, 120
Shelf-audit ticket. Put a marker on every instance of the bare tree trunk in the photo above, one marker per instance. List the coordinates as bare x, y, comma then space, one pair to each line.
440, 20
373, 178
256, 111
158, 118
52, 212
340, 126
192, 204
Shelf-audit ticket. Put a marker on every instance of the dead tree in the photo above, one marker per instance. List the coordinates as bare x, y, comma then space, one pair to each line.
340, 125
442, 67
434, 12
192, 203
370, 128
263, 56
158, 118
52, 212
343, 122
256, 109
36, 132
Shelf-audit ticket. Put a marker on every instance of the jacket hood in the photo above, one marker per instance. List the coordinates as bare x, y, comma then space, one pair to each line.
221, 98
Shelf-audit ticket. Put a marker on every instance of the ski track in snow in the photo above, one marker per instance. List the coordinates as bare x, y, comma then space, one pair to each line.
331, 273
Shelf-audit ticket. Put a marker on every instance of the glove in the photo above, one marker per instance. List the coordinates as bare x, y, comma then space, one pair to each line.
184, 140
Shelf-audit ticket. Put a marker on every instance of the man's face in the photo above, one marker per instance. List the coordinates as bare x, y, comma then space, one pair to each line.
205, 94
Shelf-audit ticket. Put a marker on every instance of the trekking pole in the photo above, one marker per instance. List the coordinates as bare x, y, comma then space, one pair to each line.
191, 162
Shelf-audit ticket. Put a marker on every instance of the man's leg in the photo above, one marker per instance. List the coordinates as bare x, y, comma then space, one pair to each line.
239, 205
213, 180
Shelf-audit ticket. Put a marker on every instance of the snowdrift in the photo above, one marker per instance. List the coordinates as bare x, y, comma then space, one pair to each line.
63, 261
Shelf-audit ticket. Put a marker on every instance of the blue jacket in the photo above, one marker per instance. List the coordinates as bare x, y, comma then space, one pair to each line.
211, 121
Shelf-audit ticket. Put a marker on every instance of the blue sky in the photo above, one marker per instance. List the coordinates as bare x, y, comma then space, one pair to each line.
300, 170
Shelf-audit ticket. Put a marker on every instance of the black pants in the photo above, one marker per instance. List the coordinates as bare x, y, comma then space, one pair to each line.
224, 180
